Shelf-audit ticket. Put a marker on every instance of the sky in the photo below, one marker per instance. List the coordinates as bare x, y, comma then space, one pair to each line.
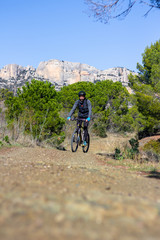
39, 30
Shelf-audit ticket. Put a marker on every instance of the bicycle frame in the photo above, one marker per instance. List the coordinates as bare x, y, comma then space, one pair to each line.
80, 127
80, 136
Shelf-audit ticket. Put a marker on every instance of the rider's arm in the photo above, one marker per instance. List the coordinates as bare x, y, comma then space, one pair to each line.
89, 108
73, 109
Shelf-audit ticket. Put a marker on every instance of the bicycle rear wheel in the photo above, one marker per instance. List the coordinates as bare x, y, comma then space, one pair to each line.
74, 141
86, 148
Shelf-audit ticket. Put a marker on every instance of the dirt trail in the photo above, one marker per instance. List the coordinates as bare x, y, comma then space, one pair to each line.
50, 194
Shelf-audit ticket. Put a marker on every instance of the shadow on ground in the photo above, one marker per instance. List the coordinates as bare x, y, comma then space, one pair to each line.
154, 174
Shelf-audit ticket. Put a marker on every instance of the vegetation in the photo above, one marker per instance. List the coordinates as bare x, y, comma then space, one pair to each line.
5, 141
146, 86
148, 167
5, 94
153, 145
114, 109
36, 109
118, 155
109, 104
129, 152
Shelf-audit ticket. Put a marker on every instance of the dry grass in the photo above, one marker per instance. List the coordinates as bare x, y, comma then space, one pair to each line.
108, 144
135, 165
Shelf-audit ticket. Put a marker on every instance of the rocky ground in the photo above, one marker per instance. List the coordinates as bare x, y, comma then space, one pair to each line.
51, 194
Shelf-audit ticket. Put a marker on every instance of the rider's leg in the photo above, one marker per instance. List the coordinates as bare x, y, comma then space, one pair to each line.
85, 130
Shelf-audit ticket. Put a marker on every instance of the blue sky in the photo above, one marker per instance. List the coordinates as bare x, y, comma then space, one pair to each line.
40, 30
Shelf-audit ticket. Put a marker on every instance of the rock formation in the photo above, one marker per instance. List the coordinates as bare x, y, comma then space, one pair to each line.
59, 73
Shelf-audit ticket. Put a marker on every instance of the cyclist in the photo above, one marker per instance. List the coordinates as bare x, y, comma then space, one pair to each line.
85, 111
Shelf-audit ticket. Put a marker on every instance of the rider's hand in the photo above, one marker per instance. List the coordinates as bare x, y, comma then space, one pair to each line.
68, 118
88, 119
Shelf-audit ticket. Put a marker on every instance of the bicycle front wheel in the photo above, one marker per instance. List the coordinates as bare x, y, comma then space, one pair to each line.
86, 148
74, 141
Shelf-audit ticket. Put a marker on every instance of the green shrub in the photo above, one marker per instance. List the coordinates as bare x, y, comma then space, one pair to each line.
153, 146
6, 139
134, 144
37, 109
132, 152
100, 129
129, 153
118, 155
5, 94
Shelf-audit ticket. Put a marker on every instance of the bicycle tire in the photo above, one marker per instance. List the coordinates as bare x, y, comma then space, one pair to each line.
74, 141
86, 148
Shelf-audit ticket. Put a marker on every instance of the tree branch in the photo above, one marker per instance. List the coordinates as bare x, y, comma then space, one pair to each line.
104, 10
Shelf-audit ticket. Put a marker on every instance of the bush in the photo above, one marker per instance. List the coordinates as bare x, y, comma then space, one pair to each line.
1, 143
152, 150
153, 146
134, 144
36, 109
129, 153
100, 129
6, 139
118, 155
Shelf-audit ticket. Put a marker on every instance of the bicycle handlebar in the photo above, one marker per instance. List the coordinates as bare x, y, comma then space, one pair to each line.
81, 119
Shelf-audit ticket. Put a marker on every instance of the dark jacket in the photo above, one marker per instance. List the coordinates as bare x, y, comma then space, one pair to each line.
85, 108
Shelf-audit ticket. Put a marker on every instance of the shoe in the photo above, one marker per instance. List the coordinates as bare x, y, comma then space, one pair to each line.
84, 144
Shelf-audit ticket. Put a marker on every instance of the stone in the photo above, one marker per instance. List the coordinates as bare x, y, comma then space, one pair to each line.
59, 73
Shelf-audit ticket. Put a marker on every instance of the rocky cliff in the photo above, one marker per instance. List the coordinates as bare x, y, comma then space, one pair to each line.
59, 73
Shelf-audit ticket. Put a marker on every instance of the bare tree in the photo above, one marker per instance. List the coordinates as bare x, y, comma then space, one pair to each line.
105, 10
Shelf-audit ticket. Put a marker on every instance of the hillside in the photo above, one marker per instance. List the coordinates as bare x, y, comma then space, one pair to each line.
59, 73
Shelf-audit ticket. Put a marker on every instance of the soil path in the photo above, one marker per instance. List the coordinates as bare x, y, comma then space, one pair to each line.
50, 194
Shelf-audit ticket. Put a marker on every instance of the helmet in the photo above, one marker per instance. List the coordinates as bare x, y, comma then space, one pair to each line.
81, 93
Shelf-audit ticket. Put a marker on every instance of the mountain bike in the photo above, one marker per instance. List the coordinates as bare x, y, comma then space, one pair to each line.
78, 137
